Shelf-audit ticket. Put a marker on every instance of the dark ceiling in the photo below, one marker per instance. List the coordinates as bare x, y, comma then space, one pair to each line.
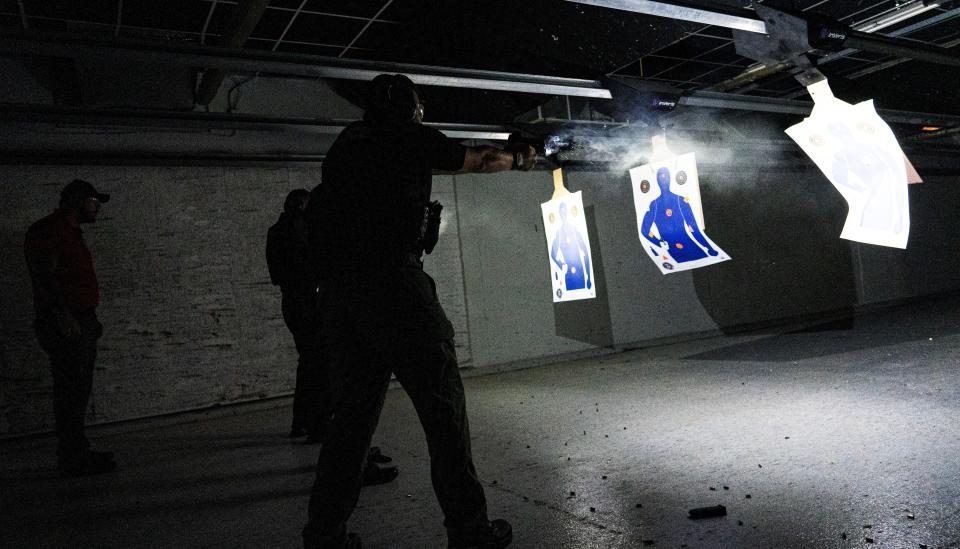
547, 37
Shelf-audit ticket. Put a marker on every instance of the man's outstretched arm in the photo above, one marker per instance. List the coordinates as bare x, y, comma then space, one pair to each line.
487, 159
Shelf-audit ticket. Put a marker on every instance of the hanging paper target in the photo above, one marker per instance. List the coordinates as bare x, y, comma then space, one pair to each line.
666, 194
860, 156
568, 248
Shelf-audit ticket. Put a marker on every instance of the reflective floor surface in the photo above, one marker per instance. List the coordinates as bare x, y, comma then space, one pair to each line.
843, 434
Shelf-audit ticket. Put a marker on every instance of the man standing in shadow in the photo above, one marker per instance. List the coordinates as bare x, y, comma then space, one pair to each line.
288, 259
292, 267
65, 299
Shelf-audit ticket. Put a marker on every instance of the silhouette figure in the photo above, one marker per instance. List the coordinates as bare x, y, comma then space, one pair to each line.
680, 235
571, 255
65, 297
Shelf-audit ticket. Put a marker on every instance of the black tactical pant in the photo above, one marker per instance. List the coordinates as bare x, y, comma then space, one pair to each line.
311, 397
375, 324
72, 364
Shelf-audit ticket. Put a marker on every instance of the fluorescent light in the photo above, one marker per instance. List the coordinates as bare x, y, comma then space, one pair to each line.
664, 9
895, 16
458, 134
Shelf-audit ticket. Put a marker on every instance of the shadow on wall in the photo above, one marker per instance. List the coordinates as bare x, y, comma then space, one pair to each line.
781, 227
929, 319
588, 320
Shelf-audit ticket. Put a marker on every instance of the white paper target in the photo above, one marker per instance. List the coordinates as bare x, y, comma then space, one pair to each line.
568, 248
860, 156
666, 194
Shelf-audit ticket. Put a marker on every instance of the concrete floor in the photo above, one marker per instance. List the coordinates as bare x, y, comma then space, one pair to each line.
822, 437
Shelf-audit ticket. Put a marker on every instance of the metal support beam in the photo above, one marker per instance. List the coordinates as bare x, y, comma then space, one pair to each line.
23, 15
860, 38
869, 27
788, 106
745, 21
19, 114
901, 48
244, 19
314, 66
149, 158
721, 17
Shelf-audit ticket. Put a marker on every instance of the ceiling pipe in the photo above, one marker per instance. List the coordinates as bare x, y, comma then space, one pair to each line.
245, 17
295, 64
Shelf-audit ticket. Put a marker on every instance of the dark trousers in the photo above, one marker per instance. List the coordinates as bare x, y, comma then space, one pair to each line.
374, 325
72, 364
311, 397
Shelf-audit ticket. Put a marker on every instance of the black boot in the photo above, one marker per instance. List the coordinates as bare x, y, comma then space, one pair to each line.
92, 463
378, 475
496, 535
375, 456
351, 541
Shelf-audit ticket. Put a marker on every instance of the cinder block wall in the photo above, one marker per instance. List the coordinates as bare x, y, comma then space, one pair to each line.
190, 315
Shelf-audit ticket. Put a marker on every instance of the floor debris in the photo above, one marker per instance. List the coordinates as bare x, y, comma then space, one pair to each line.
708, 512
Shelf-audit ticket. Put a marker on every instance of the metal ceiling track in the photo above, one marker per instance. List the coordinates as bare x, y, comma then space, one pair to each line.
709, 99
249, 61
150, 158
11, 113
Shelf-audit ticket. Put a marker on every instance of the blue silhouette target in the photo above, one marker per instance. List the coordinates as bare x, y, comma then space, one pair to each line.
666, 194
568, 246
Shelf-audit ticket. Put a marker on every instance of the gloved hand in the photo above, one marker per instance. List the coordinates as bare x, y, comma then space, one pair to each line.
524, 154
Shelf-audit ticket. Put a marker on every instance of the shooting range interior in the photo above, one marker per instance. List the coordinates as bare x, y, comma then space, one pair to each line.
681, 306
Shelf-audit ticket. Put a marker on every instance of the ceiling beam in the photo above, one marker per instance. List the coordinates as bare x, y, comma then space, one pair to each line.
119, 25
19, 114
23, 15
294, 64
152, 158
857, 39
245, 17
788, 106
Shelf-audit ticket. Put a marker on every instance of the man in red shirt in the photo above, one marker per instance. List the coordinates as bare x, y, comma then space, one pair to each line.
65, 297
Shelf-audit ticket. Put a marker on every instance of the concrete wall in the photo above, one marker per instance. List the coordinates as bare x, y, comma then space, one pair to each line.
192, 320
776, 216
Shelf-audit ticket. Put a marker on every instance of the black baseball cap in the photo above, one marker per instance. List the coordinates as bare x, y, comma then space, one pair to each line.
81, 189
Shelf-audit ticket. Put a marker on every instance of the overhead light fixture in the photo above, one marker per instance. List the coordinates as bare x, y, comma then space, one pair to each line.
493, 136
471, 131
896, 15
684, 13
